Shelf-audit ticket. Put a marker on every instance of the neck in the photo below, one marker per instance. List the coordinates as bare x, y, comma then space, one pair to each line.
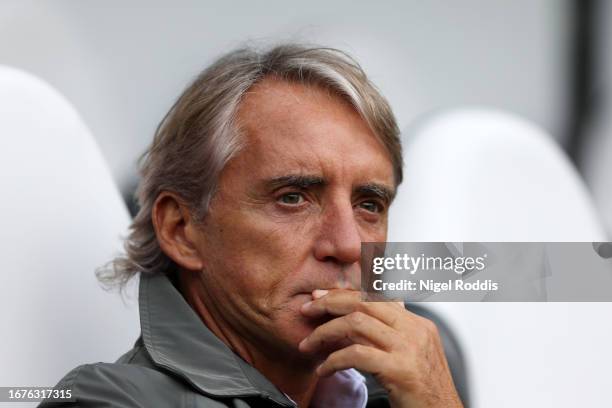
291, 375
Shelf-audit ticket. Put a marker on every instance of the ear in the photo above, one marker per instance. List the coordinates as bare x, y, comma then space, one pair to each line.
177, 232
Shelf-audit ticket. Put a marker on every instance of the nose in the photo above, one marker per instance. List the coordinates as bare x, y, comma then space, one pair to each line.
339, 240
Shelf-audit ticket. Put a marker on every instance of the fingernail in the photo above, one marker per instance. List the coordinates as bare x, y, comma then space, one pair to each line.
319, 293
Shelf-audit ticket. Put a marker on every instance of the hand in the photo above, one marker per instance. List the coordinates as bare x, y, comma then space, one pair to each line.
401, 349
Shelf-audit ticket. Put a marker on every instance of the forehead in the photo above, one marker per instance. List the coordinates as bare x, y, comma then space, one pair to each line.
289, 125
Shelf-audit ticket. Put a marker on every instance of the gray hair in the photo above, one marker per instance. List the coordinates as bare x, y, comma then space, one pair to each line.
197, 137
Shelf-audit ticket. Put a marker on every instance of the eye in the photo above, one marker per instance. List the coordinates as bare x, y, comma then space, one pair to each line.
291, 199
371, 206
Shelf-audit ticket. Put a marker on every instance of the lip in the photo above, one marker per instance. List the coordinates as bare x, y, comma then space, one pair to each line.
302, 291
303, 294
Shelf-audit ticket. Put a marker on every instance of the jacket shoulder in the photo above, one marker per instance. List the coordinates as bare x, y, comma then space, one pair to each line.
120, 385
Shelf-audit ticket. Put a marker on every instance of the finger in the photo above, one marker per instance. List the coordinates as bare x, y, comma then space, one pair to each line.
337, 302
363, 358
354, 328
340, 302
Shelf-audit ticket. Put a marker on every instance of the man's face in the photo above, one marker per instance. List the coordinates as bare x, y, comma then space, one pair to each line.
291, 211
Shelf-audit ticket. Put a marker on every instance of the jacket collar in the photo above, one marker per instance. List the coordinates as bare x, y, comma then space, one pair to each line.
178, 341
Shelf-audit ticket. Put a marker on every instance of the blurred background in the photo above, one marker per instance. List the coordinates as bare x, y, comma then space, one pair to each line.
122, 65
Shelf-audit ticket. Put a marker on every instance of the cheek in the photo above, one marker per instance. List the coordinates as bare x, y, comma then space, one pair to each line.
257, 258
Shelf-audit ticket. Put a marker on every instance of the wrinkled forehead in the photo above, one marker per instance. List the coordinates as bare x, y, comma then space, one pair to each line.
273, 101
290, 127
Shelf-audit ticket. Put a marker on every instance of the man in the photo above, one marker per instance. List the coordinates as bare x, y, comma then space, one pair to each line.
260, 185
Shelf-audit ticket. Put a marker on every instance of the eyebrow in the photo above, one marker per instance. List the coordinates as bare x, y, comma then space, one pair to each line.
379, 190
306, 181
296, 180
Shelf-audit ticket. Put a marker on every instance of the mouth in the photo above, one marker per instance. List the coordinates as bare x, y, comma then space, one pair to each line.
302, 292
309, 292
303, 297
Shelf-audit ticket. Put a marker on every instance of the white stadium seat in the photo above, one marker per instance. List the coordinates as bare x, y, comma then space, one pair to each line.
483, 175
61, 217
